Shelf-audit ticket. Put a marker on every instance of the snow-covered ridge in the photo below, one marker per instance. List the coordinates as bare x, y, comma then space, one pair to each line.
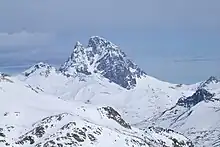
199, 96
40, 68
196, 115
30, 119
97, 42
210, 80
5, 77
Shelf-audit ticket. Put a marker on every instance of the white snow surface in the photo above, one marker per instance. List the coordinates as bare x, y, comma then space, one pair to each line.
32, 118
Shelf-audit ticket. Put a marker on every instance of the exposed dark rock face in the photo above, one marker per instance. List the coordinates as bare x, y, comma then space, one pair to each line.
167, 132
73, 133
198, 96
3, 136
67, 135
5, 77
113, 114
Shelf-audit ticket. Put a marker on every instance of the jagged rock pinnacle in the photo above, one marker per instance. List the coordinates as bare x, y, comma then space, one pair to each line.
77, 44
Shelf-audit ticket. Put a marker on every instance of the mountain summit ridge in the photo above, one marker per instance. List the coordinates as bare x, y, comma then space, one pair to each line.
100, 41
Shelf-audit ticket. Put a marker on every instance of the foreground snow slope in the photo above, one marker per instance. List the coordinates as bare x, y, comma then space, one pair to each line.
29, 118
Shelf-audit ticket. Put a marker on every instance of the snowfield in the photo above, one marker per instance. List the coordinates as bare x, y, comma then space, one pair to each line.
29, 118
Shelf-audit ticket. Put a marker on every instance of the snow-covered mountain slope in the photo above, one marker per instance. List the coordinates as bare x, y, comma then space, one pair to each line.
50, 81
196, 116
145, 100
101, 74
83, 78
29, 118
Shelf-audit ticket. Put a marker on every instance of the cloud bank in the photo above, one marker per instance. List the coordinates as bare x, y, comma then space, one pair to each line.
70, 15
24, 39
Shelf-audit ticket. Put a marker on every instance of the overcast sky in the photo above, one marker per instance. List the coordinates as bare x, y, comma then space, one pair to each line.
176, 41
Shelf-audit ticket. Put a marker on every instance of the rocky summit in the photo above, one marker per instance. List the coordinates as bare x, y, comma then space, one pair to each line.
105, 58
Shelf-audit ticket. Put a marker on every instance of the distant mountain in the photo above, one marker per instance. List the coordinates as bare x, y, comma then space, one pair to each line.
199, 96
103, 57
41, 68
210, 84
196, 115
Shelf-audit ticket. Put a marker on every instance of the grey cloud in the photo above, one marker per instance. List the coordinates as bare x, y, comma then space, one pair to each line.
70, 15
24, 38
197, 60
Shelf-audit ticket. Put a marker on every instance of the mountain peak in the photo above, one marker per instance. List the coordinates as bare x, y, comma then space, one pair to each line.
41, 67
4, 75
213, 79
210, 80
41, 64
105, 58
100, 42
198, 96
77, 44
